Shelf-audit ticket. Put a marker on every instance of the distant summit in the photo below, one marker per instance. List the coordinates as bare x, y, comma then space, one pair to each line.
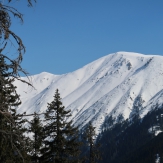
113, 85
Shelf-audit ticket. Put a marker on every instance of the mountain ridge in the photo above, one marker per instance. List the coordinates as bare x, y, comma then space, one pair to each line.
110, 86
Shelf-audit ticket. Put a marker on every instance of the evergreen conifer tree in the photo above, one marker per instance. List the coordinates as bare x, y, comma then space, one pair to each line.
61, 141
12, 139
94, 154
12, 147
36, 128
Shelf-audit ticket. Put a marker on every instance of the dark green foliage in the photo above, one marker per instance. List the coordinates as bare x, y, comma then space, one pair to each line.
147, 153
36, 128
93, 152
61, 138
22, 143
13, 143
12, 147
131, 141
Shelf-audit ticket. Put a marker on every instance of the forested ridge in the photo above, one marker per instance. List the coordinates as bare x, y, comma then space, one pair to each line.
133, 141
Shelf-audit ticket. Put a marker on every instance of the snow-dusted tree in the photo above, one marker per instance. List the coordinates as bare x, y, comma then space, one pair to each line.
61, 141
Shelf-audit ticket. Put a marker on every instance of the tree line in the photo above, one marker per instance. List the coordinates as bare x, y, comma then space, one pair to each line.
52, 138
133, 140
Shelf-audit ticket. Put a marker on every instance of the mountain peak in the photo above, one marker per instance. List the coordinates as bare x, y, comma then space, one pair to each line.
113, 85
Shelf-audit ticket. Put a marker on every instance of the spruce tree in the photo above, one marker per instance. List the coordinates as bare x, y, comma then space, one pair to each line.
94, 154
12, 139
20, 139
61, 141
12, 147
36, 128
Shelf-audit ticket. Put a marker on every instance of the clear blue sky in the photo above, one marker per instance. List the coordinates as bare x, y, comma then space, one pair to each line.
63, 35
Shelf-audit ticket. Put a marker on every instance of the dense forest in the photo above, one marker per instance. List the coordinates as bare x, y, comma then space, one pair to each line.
133, 140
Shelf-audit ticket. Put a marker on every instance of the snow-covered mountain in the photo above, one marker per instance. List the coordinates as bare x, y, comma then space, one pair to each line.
112, 85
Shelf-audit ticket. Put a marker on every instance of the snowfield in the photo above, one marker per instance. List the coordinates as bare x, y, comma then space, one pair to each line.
112, 85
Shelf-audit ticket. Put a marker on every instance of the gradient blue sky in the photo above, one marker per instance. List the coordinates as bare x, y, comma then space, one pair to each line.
63, 35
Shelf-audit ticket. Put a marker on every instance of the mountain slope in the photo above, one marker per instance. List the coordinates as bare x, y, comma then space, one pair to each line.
134, 141
112, 85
